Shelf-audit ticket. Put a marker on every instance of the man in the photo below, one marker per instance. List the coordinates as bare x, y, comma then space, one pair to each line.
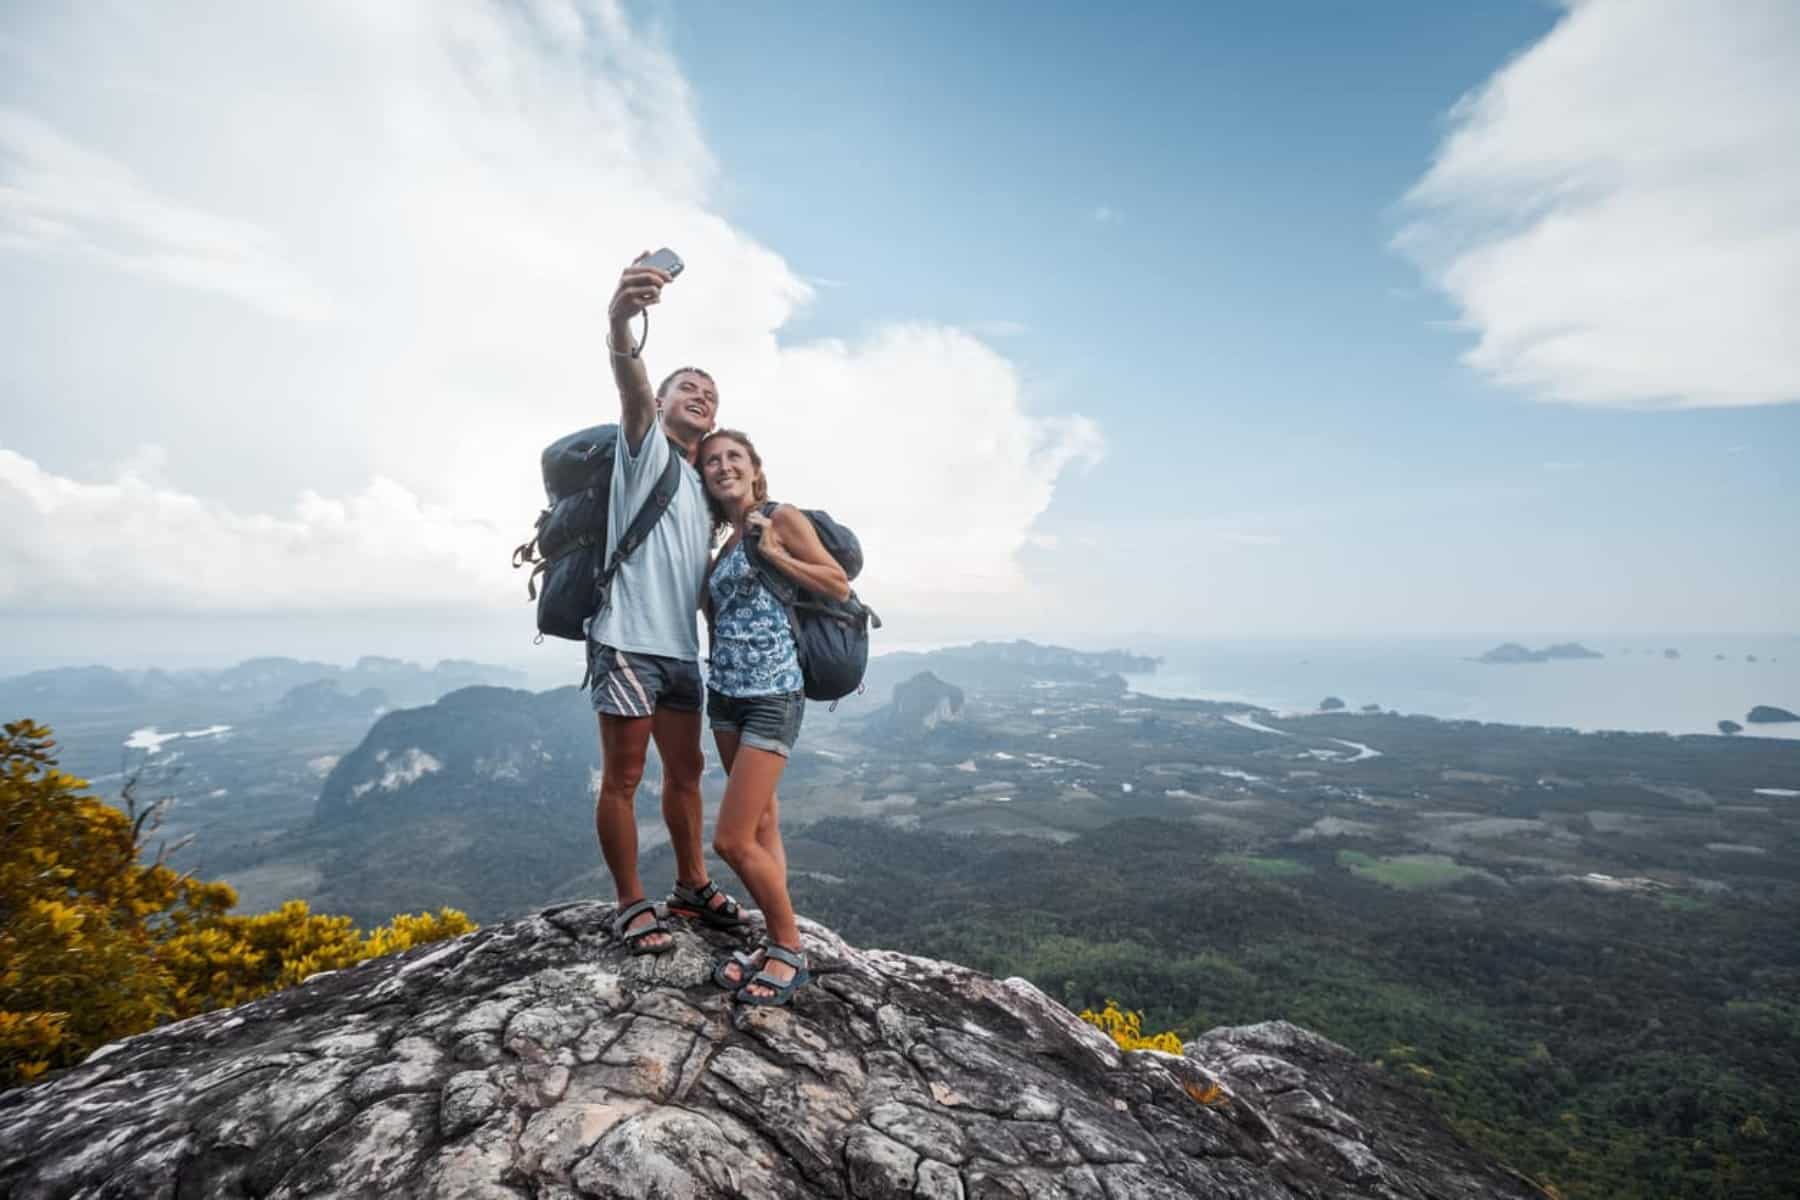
643, 648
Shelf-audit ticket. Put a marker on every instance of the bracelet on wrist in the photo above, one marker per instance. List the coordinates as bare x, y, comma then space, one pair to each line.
618, 353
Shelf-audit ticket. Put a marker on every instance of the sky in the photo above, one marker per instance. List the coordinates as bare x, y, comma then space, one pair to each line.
1275, 320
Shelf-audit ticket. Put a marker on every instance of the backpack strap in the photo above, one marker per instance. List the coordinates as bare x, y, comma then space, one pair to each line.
785, 590
655, 505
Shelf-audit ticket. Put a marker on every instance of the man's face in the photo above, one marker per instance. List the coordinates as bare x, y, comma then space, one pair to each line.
689, 406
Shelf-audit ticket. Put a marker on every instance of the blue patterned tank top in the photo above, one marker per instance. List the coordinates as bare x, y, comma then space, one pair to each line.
752, 646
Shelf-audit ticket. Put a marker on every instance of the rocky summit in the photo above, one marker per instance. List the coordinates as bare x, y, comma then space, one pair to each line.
537, 1059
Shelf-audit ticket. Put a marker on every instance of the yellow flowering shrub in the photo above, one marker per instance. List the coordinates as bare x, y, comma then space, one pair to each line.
1125, 1026
96, 944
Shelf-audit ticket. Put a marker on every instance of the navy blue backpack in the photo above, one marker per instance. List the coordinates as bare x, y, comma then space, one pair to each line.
571, 572
832, 636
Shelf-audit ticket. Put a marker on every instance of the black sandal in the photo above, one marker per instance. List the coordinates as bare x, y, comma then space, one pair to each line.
746, 962
783, 992
634, 938
697, 903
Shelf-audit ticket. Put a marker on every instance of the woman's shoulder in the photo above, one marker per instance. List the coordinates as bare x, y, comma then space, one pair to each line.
784, 512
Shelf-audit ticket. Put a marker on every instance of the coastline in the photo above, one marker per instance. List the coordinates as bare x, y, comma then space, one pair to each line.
1634, 688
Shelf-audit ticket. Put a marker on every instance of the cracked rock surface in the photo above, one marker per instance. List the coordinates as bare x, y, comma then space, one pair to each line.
538, 1059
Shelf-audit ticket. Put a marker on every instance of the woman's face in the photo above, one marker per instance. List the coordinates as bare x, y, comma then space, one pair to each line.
729, 474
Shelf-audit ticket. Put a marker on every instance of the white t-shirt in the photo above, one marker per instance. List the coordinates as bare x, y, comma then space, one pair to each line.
655, 599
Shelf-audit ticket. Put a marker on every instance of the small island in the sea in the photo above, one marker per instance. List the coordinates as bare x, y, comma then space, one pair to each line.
1512, 652
1768, 714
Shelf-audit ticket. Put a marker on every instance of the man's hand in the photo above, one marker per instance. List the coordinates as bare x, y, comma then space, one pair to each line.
639, 287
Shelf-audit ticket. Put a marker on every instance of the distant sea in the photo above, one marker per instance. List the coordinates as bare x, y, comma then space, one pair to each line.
1635, 687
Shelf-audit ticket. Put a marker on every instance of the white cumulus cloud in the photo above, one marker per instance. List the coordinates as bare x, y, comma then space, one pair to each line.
130, 543
1616, 213
326, 278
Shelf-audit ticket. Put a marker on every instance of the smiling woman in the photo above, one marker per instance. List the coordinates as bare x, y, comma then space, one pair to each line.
756, 694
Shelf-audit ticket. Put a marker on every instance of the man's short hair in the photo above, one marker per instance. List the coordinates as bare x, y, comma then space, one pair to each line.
663, 387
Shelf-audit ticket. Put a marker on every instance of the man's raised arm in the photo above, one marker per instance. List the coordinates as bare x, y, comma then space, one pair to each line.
639, 287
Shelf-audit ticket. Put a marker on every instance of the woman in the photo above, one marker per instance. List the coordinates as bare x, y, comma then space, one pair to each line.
754, 696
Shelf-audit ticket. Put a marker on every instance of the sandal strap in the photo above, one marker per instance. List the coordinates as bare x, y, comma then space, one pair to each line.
764, 979
632, 912
782, 990
782, 954
701, 897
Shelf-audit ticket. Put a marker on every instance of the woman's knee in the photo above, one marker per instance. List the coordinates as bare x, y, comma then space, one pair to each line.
732, 847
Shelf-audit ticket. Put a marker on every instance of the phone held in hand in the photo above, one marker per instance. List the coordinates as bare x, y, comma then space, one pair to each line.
666, 261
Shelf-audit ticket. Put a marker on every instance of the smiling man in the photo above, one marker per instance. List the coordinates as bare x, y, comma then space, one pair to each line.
643, 646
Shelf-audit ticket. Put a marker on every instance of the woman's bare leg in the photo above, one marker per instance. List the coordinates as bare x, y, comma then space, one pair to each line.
768, 832
740, 837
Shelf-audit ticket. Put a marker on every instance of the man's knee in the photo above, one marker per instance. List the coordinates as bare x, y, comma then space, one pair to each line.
623, 747
621, 781
678, 746
681, 783
682, 770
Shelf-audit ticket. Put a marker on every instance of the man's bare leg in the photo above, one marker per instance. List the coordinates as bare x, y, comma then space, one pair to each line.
677, 737
678, 745
623, 743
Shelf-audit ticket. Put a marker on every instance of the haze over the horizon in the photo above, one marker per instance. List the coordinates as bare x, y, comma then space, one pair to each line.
1443, 319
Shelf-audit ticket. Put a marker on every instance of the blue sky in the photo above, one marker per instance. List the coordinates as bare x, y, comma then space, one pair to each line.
1278, 320
1188, 215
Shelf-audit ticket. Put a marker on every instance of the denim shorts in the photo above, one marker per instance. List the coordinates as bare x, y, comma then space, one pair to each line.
769, 723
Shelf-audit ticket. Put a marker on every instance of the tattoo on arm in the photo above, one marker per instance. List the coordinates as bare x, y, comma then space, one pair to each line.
637, 403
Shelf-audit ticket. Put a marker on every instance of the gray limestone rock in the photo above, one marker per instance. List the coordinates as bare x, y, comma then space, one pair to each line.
536, 1058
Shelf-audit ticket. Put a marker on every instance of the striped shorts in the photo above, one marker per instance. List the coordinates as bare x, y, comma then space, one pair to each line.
629, 684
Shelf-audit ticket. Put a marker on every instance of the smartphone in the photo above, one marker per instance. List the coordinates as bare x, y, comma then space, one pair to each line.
665, 260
